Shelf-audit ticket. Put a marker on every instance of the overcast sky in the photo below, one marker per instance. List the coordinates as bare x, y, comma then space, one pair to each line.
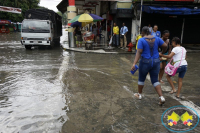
50, 4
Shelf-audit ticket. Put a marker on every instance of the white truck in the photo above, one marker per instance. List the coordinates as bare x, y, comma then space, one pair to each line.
41, 27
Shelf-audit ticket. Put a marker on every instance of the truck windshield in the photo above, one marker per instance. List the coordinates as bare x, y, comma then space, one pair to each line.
36, 26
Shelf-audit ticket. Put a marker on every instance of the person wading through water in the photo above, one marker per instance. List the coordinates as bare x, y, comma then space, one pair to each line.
149, 62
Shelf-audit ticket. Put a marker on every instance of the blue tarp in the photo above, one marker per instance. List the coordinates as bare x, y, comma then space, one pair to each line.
171, 10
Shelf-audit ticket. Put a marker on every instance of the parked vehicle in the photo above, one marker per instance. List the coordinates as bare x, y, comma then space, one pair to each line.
41, 27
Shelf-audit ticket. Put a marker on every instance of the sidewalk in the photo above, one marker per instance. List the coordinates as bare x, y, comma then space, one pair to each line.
99, 49
192, 46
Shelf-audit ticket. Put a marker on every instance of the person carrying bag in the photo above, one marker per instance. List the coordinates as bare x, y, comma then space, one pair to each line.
178, 55
171, 69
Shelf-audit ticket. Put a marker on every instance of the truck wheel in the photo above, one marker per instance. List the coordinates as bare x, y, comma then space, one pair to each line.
28, 47
51, 45
57, 42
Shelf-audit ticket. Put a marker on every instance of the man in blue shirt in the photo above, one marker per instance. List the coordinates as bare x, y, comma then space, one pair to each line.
123, 33
155, 31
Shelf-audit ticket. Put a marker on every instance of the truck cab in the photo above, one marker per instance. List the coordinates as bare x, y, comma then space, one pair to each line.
37, 33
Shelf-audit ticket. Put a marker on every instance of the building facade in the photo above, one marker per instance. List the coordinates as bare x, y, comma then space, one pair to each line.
180, 17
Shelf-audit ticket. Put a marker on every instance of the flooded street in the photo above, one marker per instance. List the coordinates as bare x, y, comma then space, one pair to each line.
32, 97
51, 91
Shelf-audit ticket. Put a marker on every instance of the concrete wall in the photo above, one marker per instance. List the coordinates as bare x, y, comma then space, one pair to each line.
98, 9
113, 5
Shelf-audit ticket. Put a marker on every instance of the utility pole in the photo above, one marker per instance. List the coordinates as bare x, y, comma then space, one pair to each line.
140, 15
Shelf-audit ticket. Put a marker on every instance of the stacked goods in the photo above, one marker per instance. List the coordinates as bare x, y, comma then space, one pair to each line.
88, 37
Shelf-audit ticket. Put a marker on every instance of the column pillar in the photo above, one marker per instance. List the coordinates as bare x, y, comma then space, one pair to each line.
71, 13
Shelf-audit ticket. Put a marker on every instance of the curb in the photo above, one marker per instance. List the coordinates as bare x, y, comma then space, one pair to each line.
192, 51
193, 48
96, 52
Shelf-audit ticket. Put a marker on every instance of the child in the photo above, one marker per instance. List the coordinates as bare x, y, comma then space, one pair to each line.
177, 52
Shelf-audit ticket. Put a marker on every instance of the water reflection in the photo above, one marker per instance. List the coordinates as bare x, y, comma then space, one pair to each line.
32, 94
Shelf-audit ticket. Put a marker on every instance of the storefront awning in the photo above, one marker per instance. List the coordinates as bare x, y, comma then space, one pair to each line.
171, 10
62, 6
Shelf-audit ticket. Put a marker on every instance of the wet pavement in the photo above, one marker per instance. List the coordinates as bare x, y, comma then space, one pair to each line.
51, 91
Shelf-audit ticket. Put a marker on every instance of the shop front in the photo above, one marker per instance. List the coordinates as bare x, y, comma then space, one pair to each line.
182, 22
4, 26
122, 12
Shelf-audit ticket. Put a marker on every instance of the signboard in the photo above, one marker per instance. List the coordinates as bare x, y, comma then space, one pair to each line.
5, 22
123, 5
125, 13
10, 9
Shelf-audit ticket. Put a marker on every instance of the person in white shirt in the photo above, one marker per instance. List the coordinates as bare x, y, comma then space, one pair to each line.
177, 52
150, 28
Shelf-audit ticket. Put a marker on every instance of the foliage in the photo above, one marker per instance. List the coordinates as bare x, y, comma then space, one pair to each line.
64, 17
23, 4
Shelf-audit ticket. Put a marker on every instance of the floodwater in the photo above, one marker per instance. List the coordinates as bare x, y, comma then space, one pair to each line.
51, 91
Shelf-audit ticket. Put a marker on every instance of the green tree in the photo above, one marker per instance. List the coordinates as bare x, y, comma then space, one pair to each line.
64, 17
23, 4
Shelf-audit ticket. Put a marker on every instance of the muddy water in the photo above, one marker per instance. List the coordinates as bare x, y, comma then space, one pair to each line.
59, 91
32, 96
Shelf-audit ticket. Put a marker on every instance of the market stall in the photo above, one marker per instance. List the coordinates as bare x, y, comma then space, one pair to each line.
82, 21
4, 26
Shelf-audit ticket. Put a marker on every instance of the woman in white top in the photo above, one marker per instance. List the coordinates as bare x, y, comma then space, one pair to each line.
177, 52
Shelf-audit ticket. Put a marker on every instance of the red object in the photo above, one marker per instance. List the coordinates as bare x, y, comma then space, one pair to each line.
4, 30
109, 17
71, 2
108, 28
185, 122
88, 38
174, 122
130, 46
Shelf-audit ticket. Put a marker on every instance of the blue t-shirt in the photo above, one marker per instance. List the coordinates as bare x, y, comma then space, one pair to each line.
157, 33
143, 44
